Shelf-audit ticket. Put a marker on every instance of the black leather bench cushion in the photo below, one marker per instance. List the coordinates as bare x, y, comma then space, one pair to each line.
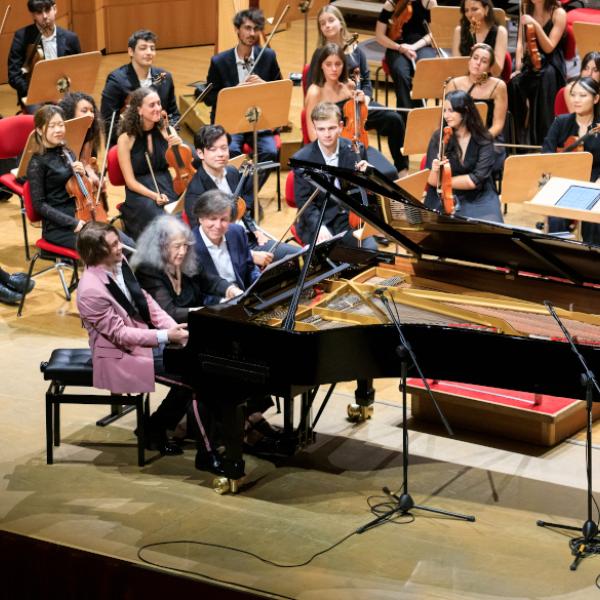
69, 366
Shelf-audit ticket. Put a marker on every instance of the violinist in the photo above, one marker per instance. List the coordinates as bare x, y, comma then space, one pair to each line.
411, 45
232, 67
490, 90
470, 154
42, 40
333, 30
478, 26
142, 143
328, 149
531, 91
590, 67
585, 99
331, 84
139, 72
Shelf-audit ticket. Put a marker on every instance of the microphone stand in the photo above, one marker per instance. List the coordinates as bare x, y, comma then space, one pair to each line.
405, 503
588, 543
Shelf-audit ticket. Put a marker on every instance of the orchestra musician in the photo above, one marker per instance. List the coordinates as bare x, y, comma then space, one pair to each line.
478, 25
12, 286
328, 149
490, 90
590, 67
531, 92
214, 172
143, 134
470, 153
42, 40
230, 68
139, 72
412, 45
330, 84
333, 30
585, 99
127, 331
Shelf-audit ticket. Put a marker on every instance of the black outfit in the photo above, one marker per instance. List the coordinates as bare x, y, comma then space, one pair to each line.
202, 182
401, 67
138, 210
336, 216
67, 43
386, 123
48, 174
563, 127
124, 80
540, 89
467, 43
481, 202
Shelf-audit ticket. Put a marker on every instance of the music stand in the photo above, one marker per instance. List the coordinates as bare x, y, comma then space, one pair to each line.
243, 108
431, 73
414, 183
51, 79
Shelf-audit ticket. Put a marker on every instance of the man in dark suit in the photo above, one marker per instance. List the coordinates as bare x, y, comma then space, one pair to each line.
141, 47
328, 149
231, 67
43, 37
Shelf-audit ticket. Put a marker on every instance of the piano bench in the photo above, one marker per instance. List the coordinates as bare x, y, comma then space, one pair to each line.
73, 367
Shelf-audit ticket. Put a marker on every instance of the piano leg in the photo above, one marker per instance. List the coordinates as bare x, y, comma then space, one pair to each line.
364, 395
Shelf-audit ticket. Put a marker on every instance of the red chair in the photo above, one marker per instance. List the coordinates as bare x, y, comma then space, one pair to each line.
291, 202
115, 175
569, 44
507, 68
304, 126
61, 257
248, 149
560, 104
305, 79
14, 132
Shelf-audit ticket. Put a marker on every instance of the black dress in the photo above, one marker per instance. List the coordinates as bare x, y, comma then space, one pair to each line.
481, 202
540, 89
470, 40
138, 210
48, 174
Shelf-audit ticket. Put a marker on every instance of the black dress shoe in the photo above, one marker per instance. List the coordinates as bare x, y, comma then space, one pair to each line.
17, 282
209, 461
268, 446
9, 296
164, 446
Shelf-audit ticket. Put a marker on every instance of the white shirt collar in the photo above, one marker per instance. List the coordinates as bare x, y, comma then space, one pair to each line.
209, 243
330, 157
240, 61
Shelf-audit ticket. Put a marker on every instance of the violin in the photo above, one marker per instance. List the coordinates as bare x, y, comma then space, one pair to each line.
179, 157
239, 204
355, 115
530, 45
575, 144
34, 54
444, 186
80, 188
402, 14
91, 161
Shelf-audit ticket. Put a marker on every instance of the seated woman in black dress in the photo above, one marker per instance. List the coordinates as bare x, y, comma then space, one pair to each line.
585, 99
143, 134
478, 26
48, 172
470, 153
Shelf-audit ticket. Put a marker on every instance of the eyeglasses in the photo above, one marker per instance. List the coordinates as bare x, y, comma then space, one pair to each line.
180, 245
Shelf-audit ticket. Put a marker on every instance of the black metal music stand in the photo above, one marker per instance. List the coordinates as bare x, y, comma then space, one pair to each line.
588, 543
404, 502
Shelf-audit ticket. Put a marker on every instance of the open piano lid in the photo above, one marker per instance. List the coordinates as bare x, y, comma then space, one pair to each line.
423, 231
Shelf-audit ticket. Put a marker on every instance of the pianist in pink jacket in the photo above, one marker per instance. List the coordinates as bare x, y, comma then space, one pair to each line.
123, 324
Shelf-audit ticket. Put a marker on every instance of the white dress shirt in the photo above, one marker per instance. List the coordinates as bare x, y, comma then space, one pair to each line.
49, 45
221, 183
243, 67
221, 257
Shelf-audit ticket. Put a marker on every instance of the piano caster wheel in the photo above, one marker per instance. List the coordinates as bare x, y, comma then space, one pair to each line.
358, 414
223, 485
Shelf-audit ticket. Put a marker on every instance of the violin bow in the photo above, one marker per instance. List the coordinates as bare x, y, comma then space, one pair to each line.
148, 161
198, 99
6, 12
105, 159
273, 32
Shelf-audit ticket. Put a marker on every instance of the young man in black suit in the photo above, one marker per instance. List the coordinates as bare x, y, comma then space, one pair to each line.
328, 149
141, 47
41, 36
230, 68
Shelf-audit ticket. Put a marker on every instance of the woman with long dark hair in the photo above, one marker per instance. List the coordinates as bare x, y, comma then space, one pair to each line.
590, 67
478, 26
470, 153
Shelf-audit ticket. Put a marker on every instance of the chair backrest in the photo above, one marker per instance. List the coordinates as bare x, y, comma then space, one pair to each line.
14, 132
115, 174
290, 197
305, 79
303, 123
586, 36
507, 68
560, 104
569, 44
32, 214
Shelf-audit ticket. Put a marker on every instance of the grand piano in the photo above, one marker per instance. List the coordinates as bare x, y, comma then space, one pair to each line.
470, 296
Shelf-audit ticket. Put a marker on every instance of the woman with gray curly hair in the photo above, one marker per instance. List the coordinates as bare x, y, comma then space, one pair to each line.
143, 134
166, 266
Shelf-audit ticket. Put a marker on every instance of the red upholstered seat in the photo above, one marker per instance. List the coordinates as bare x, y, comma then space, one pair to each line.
507, 68
42, 244
305, 79
586, 15
291, 202
560, 104
304, 125
115, 175
569, 45
8, 180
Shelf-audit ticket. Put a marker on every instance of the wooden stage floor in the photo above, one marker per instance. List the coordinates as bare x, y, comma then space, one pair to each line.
96, 498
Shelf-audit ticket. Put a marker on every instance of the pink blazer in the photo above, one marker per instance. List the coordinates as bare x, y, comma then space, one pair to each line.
121, 346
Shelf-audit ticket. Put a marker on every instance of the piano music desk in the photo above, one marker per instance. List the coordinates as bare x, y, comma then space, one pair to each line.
536, 419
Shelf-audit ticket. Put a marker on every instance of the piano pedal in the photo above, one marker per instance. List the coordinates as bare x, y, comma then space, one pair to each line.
358, 413
224, 485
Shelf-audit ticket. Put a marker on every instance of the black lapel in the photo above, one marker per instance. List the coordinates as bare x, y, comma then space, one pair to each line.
136, 293
132, 77
120, 297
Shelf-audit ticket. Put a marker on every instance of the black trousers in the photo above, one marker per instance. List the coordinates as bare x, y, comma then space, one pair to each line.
391, 125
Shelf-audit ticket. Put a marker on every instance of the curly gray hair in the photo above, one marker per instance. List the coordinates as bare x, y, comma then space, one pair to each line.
152, 247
